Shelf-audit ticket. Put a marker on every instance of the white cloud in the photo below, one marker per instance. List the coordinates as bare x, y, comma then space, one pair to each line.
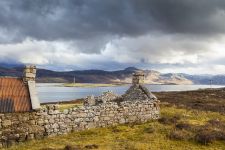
160, 49
168, 52
199, 69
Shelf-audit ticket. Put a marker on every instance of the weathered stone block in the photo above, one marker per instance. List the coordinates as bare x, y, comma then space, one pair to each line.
6, 123
66, 111
30, 136
82, 115
106, 118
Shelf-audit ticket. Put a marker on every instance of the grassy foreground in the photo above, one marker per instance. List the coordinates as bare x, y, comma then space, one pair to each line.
176, 130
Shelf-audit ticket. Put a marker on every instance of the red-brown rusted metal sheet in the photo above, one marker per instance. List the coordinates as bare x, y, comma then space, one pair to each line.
14, 95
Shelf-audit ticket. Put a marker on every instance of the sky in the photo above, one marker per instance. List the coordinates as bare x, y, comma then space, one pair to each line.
177, 36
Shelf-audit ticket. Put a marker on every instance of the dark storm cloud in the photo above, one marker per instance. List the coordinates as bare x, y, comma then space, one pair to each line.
114, 34
85, 19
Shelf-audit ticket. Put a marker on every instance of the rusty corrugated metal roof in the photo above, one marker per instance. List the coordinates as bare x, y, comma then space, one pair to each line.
14, 95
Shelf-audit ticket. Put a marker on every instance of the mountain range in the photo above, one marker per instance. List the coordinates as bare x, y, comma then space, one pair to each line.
120, 76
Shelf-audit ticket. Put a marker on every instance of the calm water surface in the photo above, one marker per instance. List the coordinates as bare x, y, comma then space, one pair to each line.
52, 92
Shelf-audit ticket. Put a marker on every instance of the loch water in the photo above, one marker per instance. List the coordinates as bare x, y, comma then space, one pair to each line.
54, 92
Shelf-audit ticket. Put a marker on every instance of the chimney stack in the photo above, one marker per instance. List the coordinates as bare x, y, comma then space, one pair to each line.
138, 78
29, 73
29, 76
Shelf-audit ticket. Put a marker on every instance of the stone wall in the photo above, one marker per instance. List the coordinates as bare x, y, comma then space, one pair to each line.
49, 121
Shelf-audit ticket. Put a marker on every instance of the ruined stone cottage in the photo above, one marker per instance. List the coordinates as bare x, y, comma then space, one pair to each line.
19, 94
108, 109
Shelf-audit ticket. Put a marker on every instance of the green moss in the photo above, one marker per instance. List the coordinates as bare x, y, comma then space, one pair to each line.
67, 106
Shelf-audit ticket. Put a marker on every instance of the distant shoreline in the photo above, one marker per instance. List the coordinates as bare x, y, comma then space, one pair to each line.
90, 85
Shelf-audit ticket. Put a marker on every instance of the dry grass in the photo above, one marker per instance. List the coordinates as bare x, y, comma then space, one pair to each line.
206, 100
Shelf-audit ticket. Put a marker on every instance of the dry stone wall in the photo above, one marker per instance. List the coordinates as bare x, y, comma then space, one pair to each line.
49, 121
